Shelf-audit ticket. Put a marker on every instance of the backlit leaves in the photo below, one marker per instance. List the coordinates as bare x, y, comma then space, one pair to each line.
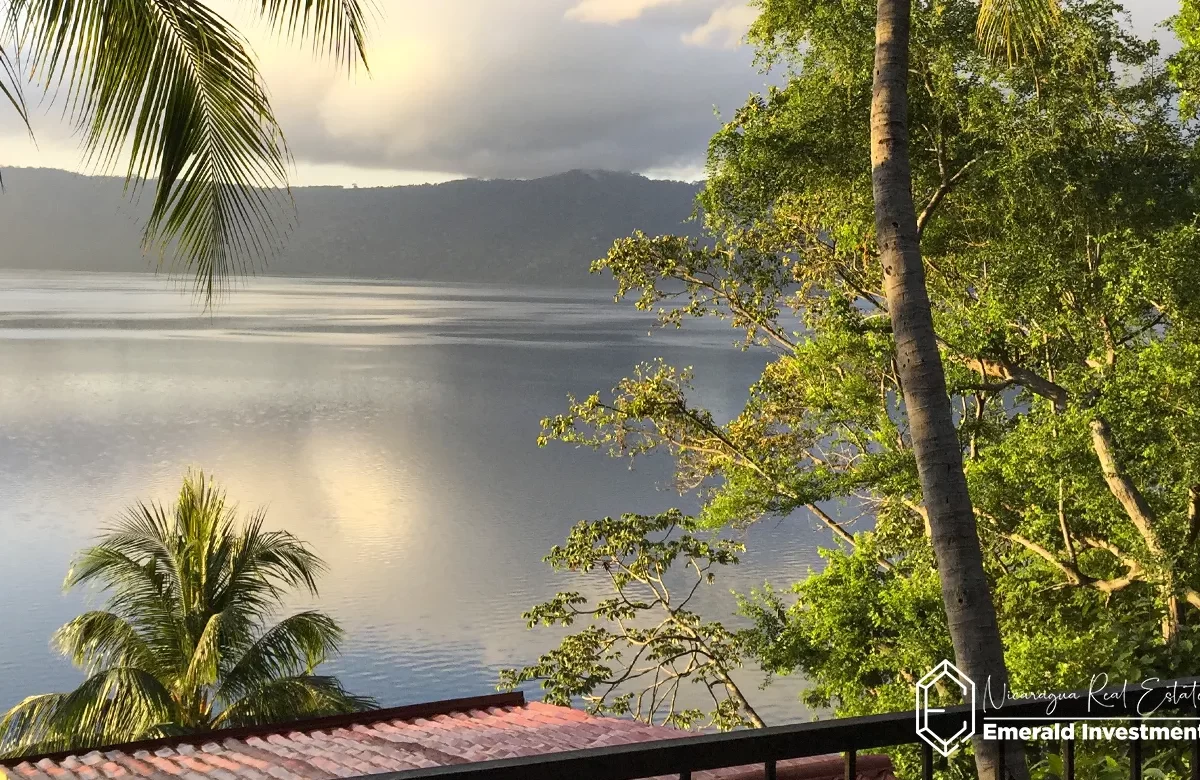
186, 641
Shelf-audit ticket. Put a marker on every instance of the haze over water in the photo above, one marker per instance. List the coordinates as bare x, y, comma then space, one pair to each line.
392, 426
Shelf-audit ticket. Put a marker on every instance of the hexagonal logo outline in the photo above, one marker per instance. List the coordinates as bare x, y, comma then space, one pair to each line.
950, 745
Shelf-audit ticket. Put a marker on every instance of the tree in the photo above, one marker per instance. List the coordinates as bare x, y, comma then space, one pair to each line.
657, 642
1058, 226
971, 617
1185, 65
970, 614
175, 86
185, 643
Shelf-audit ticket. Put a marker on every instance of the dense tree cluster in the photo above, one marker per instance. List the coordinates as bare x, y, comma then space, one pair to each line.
1058, 219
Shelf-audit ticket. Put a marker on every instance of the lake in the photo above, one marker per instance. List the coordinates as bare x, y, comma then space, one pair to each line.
393, 426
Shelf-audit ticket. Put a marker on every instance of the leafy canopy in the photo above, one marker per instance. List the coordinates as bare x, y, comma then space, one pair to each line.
186, 641
1058, 221
657, 642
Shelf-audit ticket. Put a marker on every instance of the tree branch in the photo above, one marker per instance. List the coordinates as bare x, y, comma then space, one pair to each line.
1072, 574
841, 532
736, 307
1122, 487
1076, 578
1011, 373
938, 196
1193, 513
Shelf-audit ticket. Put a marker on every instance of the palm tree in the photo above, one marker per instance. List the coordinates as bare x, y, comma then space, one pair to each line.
172, 87
1015, 27
185, 642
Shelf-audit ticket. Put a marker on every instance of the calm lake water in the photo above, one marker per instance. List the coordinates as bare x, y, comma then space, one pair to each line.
390, 425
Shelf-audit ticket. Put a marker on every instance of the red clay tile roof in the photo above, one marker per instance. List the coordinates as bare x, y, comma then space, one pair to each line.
460, 731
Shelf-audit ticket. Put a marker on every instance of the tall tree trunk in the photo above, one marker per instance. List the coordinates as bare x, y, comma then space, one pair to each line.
969, 610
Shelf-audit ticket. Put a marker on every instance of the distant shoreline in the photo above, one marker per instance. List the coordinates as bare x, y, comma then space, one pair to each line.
180, 278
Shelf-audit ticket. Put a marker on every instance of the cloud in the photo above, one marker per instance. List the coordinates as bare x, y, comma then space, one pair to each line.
461, 88
613, 11
725, 27
502, 88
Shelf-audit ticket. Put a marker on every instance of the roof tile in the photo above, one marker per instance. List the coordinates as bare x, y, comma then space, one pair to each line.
440, 734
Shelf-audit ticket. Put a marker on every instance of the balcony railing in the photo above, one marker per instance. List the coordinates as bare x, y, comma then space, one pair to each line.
848, 736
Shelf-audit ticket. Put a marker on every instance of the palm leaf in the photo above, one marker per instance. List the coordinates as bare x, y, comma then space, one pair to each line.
116, 705
294, 646
174, 85
143, 538
1015, 28
204, 666
10, 87
290, 698
272, 558
97, 640
337, 27
139, 594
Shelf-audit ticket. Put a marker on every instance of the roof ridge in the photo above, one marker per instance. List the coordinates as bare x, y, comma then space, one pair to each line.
403, 712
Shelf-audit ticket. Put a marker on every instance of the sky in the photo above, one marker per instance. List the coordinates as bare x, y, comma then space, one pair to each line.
500, 89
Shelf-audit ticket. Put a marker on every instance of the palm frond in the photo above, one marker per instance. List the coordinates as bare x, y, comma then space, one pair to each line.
143, 537
10, 87
25, 729
204, 667
176, 84
336, 27
1016, 29
274, 557
141, 595
302, 696
97, 640
118, 704
296, 645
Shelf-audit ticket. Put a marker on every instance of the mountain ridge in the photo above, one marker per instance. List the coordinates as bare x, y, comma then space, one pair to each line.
526, 231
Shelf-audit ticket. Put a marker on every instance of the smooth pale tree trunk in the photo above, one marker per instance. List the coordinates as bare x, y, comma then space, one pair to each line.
969, 609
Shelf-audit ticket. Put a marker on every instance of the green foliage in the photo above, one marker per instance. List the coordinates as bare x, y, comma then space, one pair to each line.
185, 642
1185, 65
174, 86
642, 643
1059, 229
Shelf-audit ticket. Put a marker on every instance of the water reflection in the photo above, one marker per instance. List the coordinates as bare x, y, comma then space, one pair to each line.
392, 426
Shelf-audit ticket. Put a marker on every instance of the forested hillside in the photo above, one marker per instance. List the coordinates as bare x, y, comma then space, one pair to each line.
544, 230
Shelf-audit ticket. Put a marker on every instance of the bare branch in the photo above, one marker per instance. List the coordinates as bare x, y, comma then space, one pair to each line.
1072, 574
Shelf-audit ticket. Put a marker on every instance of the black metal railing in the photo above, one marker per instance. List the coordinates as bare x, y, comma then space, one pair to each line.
848, 736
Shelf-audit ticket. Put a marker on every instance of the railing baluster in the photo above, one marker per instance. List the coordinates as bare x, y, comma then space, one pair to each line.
1196, 742
851, 764
926, 761
1068, 759
1000, 769
1135, 763
769, 769
685, 775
